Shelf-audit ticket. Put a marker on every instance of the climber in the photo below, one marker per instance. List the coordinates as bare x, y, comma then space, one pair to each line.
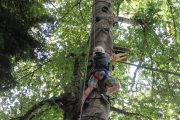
101, 74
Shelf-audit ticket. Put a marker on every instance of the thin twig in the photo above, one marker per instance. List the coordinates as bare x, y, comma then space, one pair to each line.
171, 11
61, 18
135, 74
40, 66
81, 11
52, 5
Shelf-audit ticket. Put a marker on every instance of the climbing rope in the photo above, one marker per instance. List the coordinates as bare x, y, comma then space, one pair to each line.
85, 75
94, 27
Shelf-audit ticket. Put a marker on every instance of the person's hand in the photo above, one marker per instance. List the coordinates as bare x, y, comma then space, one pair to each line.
108, 93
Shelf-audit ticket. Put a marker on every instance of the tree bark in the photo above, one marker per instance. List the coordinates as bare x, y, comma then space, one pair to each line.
101, 35
102, 23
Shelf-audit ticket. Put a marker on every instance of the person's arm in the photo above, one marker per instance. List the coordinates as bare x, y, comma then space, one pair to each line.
87, 92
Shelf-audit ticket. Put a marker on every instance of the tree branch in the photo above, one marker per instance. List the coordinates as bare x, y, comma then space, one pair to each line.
34, 108
128, 20
153, 69
135, 74
64, 101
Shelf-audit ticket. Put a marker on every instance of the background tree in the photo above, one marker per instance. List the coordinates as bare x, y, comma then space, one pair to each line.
19, 20
149, 79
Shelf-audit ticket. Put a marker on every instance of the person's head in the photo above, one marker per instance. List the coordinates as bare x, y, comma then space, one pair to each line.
99, 49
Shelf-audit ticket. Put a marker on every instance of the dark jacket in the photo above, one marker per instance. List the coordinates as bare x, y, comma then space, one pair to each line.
101, 61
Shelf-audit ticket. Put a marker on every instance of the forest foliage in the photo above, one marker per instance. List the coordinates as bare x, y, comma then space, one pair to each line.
40, 40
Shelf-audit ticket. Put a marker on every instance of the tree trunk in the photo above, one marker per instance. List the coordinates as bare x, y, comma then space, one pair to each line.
101, 35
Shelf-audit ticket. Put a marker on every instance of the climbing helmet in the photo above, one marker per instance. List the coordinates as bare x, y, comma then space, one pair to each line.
99, 49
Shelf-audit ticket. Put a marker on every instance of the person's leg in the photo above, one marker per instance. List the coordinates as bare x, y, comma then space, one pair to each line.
113, 85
